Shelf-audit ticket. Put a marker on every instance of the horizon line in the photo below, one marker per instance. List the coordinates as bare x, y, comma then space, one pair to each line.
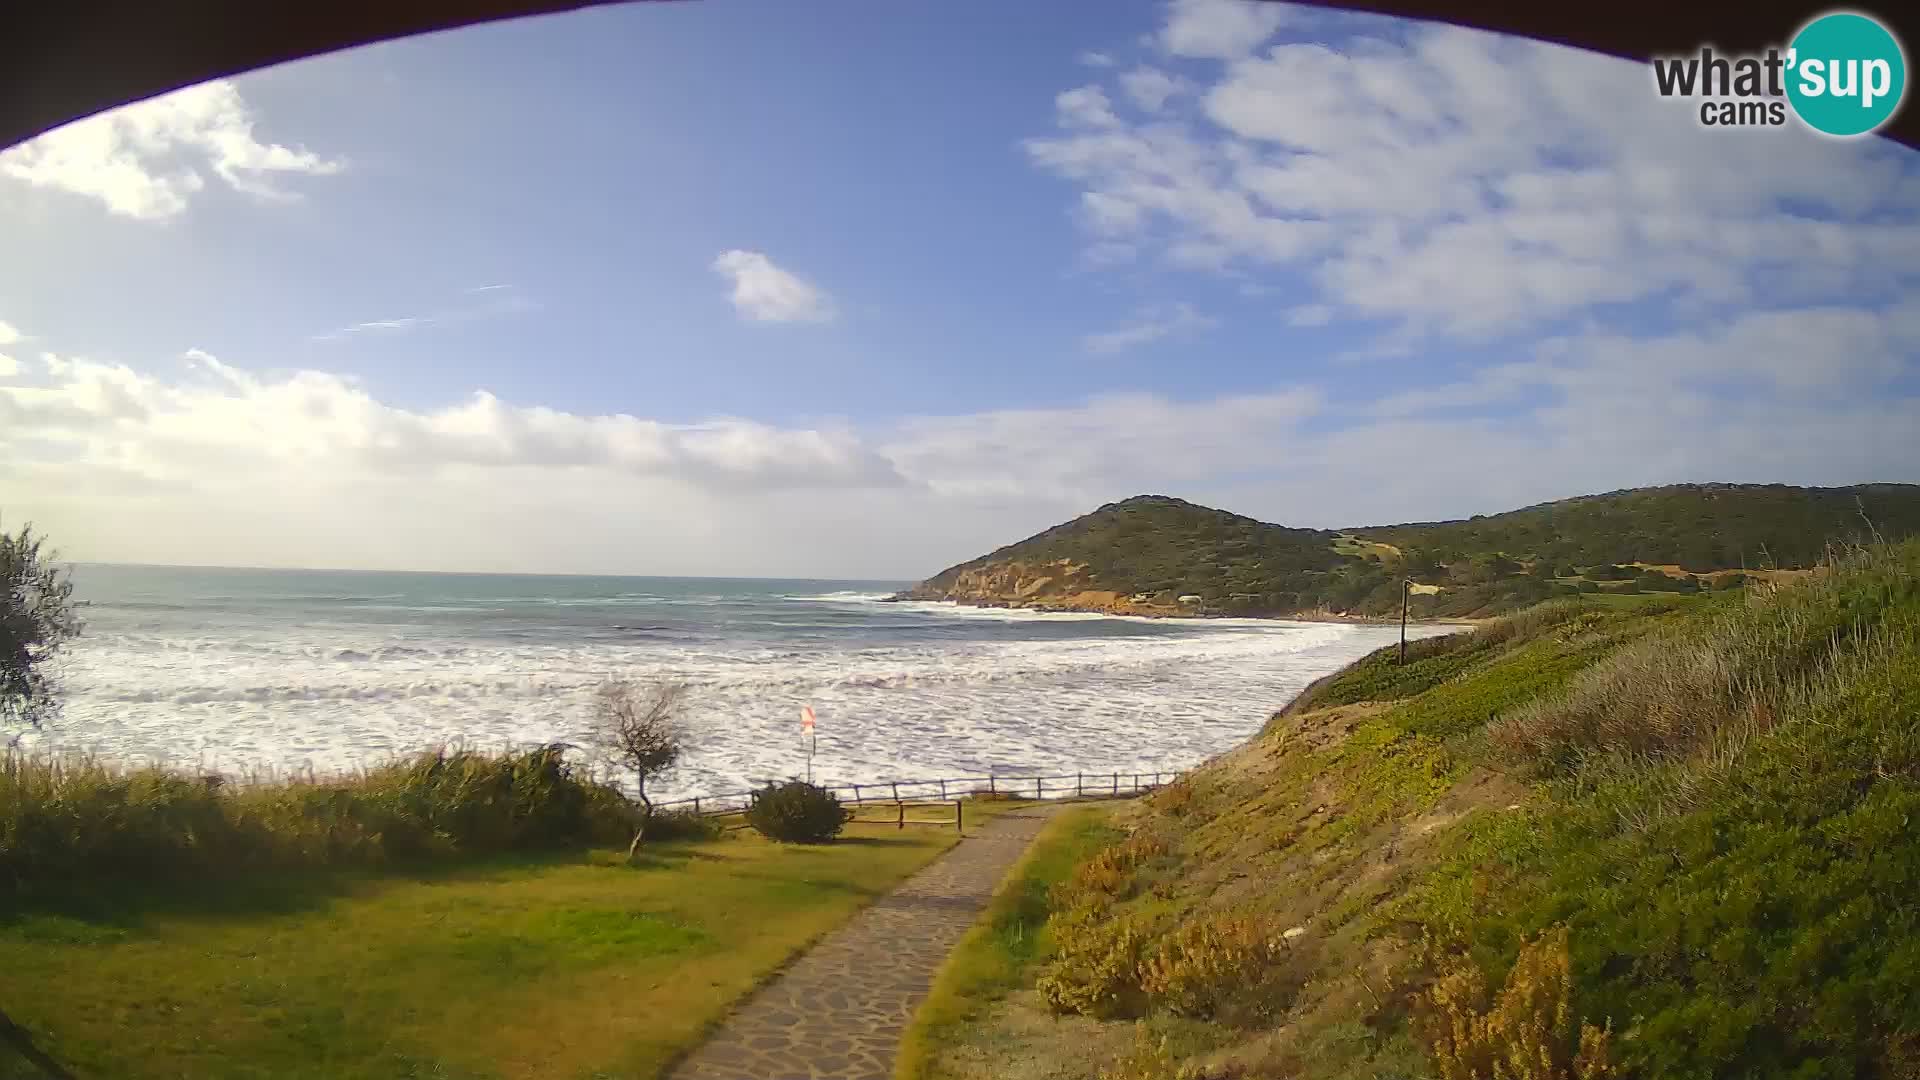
484, 573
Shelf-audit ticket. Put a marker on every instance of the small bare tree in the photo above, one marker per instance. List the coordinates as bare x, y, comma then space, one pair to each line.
636, 729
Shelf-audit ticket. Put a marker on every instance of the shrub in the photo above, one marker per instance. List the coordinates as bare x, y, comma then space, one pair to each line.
797, 812
1222, 967
1096, 965
1108, 875
1527, 1033
77, 818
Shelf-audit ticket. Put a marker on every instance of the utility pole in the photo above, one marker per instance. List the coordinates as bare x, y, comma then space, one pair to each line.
1406, 589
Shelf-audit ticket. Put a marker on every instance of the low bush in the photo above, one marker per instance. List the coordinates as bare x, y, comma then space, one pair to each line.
1110, 874
797, 812
77, 818
1095, 969
1527, 1033
1229, 967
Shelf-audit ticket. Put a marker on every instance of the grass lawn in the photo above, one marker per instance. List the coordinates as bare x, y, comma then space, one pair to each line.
993, 958
560, 966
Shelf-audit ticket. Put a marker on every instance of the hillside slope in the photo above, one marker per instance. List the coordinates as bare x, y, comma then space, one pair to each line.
1153, 554
1669, 840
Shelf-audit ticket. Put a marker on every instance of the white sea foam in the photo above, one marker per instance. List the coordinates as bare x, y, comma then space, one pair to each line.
337, 695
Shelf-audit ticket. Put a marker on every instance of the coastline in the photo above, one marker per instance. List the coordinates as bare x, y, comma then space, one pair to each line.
1143, 612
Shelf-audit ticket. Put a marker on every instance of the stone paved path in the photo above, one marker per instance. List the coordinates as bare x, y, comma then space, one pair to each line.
839, 1011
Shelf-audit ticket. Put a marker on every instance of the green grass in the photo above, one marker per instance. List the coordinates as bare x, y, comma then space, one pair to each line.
1715, 797
542, 965
997, 953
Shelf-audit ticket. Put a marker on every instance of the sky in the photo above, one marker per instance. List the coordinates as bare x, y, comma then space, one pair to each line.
749, 287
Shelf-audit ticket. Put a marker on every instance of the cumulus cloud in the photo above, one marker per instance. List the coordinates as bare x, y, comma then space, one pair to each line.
1150, 87
1149, 325
149, 159
204, 460
168, 428
8, 335
1096, 59
764, 292
1222, 29
1085, 107
1465, 184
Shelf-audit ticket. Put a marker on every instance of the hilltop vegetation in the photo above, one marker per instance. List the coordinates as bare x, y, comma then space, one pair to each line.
1696, 527
1159, 555
1667, 840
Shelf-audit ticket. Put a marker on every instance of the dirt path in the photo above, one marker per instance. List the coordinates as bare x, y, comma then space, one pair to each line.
839, 1011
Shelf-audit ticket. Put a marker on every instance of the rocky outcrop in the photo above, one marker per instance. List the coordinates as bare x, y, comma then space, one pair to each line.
1061, 585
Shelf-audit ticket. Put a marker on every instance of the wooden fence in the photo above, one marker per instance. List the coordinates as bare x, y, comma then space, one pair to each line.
893, 797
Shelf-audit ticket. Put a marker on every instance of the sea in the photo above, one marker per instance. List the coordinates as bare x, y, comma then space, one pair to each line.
270, 672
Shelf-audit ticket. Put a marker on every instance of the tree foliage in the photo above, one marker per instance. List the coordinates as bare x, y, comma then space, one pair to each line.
37, 617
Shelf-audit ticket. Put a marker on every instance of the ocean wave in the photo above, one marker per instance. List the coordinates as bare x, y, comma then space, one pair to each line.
473, 673
913, 689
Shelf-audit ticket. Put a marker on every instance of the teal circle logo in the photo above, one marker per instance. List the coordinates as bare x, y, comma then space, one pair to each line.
1846, 74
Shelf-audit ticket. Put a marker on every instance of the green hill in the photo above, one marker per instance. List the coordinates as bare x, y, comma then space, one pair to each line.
1154, 554
1667, 839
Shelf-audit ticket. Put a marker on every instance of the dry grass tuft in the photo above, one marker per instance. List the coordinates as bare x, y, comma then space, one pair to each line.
1527, 1033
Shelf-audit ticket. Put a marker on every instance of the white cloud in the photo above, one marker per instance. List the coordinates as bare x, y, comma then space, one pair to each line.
212, 462
9, 367
495, 300
1093, 58
147, 160
1150, 87
167, 429
1222, 29
1085, 107
1310, 315
1151, 324
1466, 184
763, 292
8, 335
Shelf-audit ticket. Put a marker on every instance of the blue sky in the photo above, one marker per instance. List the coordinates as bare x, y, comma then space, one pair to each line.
861, 290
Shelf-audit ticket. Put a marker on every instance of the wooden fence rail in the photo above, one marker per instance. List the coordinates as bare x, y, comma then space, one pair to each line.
901, 793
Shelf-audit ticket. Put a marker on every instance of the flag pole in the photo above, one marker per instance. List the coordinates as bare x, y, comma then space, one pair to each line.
810, 737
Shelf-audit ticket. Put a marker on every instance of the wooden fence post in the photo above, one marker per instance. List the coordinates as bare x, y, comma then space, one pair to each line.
856, 793
1136, 783
991, 790
902, 809
1079, 784
959, 816
1037, 781
1116, 783
696, 806
943, 790
896, 791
